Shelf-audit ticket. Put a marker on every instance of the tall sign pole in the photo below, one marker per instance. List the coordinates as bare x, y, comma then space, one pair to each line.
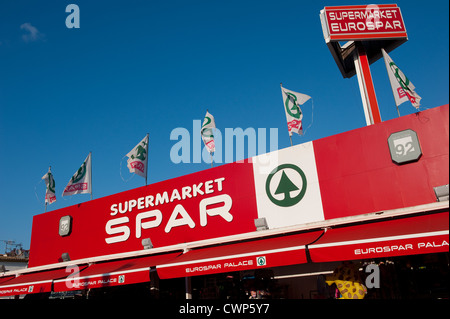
366, 87
366, 29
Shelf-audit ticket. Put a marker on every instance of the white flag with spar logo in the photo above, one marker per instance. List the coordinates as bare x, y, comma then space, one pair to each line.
209, 124
402, 87
50, 196
292, 101
137, 158
81, 181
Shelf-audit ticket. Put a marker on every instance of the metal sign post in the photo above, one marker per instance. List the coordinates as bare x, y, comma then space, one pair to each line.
368, 96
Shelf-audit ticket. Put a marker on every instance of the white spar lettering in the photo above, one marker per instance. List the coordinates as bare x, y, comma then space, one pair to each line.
432, 244
123, 230
179, 217
387, 249
363, 15
163, 198
203, 268
174, 221
365, 26
157, 220
384, 249
223, 211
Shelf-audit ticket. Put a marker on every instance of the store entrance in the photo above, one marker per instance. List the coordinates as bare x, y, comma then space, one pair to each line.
255, 284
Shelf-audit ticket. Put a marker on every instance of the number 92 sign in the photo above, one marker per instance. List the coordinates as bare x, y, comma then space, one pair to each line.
404, 147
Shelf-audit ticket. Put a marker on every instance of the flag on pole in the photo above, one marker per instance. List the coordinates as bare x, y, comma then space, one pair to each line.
81, 181
50, 196
292, 101
137, 158
207, 132
402, 88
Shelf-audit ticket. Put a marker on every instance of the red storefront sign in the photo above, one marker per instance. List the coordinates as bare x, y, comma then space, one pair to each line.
363, 22
338, 176
213, 203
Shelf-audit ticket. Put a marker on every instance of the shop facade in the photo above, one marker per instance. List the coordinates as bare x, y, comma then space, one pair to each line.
275, 226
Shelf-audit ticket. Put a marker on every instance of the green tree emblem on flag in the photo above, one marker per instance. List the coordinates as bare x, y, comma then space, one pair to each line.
79, 174
206, 131
404, 83
51, 183
293, 111
140, 152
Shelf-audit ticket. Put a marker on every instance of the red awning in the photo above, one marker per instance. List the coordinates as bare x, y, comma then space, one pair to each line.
113, 273
269, 252
399, 237
6, 278
31, 283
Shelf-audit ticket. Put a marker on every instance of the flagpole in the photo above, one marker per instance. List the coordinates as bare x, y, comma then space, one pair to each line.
210, 153
290, 136
45, 200
208, 128
90, 173
146, 160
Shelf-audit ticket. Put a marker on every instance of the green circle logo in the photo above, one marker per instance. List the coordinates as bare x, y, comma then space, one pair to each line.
286, 186
293, 111
261, 261
79, 175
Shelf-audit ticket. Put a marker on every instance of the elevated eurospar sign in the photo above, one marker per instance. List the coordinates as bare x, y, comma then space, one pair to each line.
362, 22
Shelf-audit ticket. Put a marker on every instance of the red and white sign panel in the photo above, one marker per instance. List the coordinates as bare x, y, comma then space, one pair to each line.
410, 236
338, 176
362, 22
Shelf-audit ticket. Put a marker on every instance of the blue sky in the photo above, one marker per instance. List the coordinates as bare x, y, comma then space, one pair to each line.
138, 67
